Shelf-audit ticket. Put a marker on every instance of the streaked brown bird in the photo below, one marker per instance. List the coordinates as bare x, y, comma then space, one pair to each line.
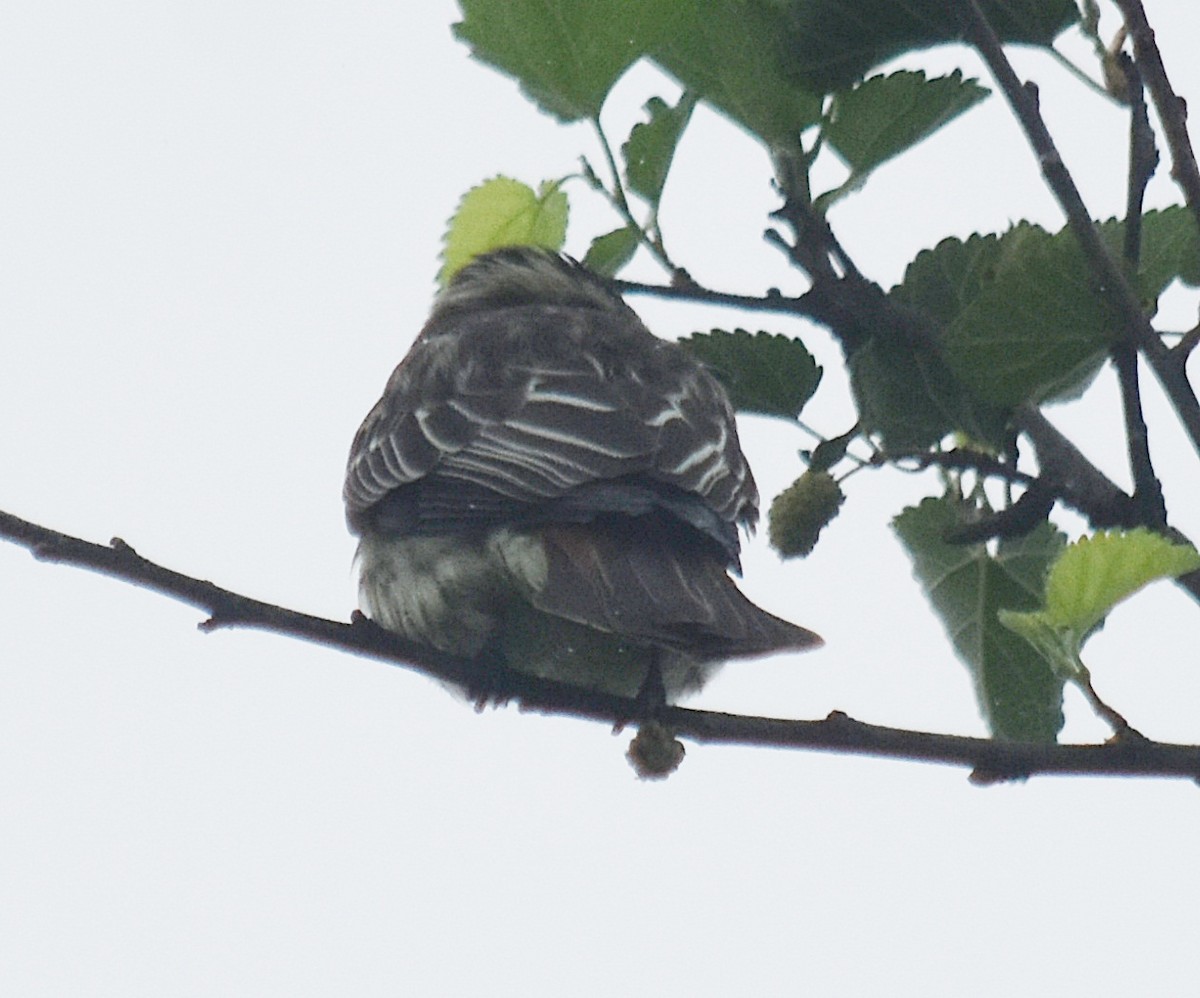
548, 483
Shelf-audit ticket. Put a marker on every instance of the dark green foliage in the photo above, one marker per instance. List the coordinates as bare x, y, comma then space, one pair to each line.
611, 251
1019, 692
733, 53
763, 372
980, 332
886, 115
1021, 317
651, 146
909, 397
566, 54
833, 42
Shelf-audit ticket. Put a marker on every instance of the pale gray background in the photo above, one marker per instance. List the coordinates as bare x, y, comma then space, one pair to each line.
218, 233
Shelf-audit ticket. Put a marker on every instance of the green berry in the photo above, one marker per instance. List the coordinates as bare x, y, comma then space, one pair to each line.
801, 511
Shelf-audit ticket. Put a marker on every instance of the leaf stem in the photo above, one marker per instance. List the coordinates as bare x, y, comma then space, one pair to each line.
1121, 727
1079, 74
960, 459
620, 203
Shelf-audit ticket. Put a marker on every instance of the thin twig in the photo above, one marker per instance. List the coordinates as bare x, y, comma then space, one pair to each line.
851, 308
1171, 108
1187, 343
1112, 281
815, 248
1079, 74
773, 301
620, 203
988, 760
1121, 727
1143, 159
959, 459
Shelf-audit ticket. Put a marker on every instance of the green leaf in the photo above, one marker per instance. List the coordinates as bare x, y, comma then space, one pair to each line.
766, 373
1087, 580
1170, 250
909, 398
1019, 692
1022, 319
566, 54
833, 43
651, 146
885, 115
503, 212
1096, 573
941, 282
1058, 647
828, 452
731, 53
611, 251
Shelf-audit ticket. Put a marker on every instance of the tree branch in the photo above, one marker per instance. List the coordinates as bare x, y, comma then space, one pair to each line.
773, 301
1085, 488
1023, 100
959, 459
1172, 109
989, 761
1187, 343
1143, 159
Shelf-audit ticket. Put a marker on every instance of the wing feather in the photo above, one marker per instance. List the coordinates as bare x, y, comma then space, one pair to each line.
537, 402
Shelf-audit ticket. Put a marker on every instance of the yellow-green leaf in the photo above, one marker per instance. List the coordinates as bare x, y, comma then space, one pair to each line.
1096, 573
503, 212
1086, 581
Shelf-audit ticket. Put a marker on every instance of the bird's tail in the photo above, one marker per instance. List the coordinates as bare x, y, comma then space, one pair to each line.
629, 577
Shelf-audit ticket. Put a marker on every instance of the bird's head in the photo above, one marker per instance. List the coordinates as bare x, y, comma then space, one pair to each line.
525, 275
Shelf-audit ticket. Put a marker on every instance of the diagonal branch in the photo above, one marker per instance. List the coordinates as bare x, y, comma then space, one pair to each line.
989, 761
1023, 100
1172, 110
1084, 487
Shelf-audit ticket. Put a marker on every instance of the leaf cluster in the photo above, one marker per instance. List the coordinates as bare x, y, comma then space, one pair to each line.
951, 367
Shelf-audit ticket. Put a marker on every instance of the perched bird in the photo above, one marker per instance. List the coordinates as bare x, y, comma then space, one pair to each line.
547, 483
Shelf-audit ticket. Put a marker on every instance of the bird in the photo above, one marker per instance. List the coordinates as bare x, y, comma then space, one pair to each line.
548, 486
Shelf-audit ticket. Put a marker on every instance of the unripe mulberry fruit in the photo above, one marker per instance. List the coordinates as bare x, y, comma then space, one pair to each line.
801, 511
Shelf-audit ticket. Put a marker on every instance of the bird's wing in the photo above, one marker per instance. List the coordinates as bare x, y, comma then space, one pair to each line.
521, 407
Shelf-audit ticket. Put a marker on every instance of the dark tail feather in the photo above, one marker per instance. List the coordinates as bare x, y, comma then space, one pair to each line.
654, 587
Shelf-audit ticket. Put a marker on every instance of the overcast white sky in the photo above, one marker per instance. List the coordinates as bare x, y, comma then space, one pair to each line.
218, 233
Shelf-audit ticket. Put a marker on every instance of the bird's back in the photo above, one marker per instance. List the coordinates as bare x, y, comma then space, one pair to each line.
545, 457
